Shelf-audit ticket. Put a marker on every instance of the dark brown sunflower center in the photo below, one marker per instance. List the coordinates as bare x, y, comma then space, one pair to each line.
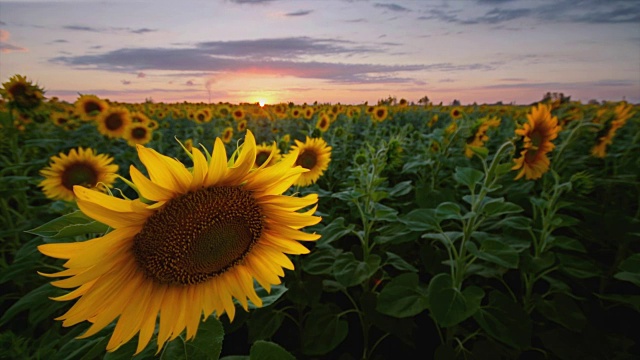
79, 174
380, 113
198, 235
91, 106
18, 90
261, 157
536, 139
113, 122
307, 160
139, 133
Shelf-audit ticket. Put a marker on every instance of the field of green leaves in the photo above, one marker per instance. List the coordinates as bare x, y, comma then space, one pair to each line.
447, 232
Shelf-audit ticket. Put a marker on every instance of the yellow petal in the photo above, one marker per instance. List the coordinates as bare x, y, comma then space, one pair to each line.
109, 210
149, 189
165, 171
217, 164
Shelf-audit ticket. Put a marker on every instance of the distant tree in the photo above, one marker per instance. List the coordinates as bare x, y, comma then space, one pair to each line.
455, 102
424, 100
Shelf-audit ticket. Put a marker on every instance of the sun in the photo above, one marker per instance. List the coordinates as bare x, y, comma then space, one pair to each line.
261, 102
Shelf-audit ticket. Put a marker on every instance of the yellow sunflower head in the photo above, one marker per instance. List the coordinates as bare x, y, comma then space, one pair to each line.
314, 155
140, 117
380, 113
537, 133
137, 133
269, 154
227, 135
196, 239
22, 93
88, 107
114, 122
80, 167
238, 113
456, 113
242, 125
323, 123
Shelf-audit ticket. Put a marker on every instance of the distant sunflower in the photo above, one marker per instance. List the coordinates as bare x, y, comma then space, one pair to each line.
380, 113
269, 154
153, 125
137, 133
80, 167
140, 117
203, 115
22, 93
456, 113
88, 107
238, 114
198, 240
313, 154
308, 113
537, 135
323, 122
242, 125
61, 119
227, 135
622, 113
114, 121
479, 136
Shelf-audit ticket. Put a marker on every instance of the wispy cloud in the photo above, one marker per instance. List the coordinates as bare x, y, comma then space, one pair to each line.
107, 30
276, 57
251, 2
299, 13
125, 82
5, 46
392, 7
584, 11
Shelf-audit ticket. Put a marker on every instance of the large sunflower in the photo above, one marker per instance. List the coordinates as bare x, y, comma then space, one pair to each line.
138, 133
537, 134
313, 154
195, 240
80, 167
114, 122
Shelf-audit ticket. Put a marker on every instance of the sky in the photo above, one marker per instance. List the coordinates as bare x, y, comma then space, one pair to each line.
329, 51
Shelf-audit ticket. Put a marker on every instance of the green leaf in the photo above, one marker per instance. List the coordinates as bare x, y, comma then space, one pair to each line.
481, 151
399, 263
506, 321
513, 222
630, 270
305, 290
266, 350
263, 323
447, 238
563, 310
495, 251
632, 301
323, 330
334, 231
268, 298
384, 213
567, 243
395, 233
578, 267
320, 261
450, 306
206, 345
403, 297
468, 176
69, 225
447, 210
350, 272
37, 302
420, 220
401, 188
497, 208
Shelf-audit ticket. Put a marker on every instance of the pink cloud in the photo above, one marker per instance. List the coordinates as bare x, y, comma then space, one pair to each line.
5, 47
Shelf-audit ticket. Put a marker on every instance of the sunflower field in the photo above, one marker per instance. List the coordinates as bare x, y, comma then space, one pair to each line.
317, 231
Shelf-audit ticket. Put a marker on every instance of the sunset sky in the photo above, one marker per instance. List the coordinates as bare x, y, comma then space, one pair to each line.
324, 50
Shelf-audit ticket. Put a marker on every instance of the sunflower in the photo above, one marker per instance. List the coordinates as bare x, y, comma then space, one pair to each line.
114, 121
137, 133
80, 167
308, 113
227, 135
313, 154
194, 241
456, 113
622, 113
238, 114
479, 136
323, 122
203, 116
61, 119
380, 113
269, 154
537, 134
140, 117
88, 107
22, 93
242, 125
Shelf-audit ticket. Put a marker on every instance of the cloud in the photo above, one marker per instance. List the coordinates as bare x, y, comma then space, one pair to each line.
299, 13
125, 82
251, 2
108, 30
584, 11
392, 7
60, 41
5, 46
190, 83
141, 75
269, 57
